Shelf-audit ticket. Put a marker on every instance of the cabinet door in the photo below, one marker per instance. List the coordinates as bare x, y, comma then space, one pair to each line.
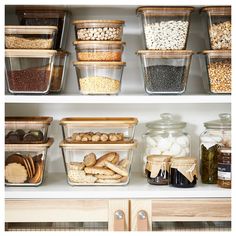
111, 214
195, 213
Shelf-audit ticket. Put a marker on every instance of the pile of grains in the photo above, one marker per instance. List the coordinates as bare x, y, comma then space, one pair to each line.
99, 85
166, 35
100, 34
14, 42
220, 76
99, 56
29, 80
220, 35
165, 79
56, 78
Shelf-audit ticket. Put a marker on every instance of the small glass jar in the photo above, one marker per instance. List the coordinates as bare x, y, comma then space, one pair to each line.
158, 169
224, 167
183, 172
217, 133
166, 137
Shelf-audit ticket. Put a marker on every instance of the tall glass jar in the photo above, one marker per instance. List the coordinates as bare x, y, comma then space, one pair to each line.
217, 134
166, 137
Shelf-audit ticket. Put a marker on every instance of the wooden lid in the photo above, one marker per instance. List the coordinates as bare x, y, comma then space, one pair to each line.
165, 53
217, 10
98, 63
99, 121
217, 53
164, 10
29, 53
98, 23
28, 119
21, 29
106, 147
27, 147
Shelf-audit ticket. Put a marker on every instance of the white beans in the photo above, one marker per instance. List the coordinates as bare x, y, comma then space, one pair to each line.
166, 35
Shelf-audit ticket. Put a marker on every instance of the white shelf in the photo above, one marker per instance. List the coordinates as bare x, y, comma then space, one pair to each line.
55, 186
118, 99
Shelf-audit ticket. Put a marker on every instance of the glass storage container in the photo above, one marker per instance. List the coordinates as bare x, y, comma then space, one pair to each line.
165, 72
97, 78
59, 71
218, 68
99, 30
98, 129
97, 164
183, 172
217, 133
224, 167
166, 137
219, 26
41, 16
29, 71
25, 163
157, 169
26, 129
165, 28
30, 37
99, 50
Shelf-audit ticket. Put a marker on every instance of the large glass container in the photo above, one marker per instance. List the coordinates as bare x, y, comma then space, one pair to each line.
217, 134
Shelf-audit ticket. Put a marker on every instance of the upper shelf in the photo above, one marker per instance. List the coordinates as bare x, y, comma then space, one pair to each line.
118, 99
56, 186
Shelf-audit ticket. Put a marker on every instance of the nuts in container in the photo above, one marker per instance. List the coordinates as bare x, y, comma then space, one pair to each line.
97, 164
98, 129
25, 163
99, 30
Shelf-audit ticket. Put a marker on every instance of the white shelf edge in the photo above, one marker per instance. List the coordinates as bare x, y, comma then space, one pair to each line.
142, 99
55, 186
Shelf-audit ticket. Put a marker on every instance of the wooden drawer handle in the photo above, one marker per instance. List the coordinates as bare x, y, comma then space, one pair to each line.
142, 221
119, 221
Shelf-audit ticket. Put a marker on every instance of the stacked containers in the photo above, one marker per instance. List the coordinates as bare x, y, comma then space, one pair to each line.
26, 144
165, 32
99, 51
30, 51
218, 59
98, 151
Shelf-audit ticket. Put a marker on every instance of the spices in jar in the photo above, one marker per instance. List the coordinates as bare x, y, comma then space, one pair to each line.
166, 35
224, 167
165, 78
99, 85
220, 76
157, 169
183, 172
220, 35
99, 56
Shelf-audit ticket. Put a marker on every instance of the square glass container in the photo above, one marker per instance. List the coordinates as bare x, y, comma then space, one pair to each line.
219, 26
98, 130
25, 163
99, 30
218, 71
97, 164
99, 50
26, 129
30, 37
41, 16
165, 71
59, 71
99, 78
29, 71
165, 28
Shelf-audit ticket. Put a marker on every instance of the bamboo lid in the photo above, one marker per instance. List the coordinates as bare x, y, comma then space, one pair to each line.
30, 53
98, 23
165, 53
217, 10
28, 119
98, 63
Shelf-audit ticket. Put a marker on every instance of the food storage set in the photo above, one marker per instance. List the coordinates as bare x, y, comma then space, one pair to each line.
26, 144
165, 62
98, 151
99, 49
34, 57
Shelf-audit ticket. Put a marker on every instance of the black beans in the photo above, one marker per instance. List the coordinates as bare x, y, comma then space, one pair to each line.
165, 79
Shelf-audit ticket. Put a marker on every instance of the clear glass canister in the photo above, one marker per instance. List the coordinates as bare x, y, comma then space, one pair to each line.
166, 137
217, 133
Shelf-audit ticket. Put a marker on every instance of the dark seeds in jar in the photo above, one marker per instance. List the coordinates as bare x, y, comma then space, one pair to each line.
164, 78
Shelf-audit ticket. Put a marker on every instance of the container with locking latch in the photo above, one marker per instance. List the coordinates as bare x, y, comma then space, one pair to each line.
219, 26
217, 134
